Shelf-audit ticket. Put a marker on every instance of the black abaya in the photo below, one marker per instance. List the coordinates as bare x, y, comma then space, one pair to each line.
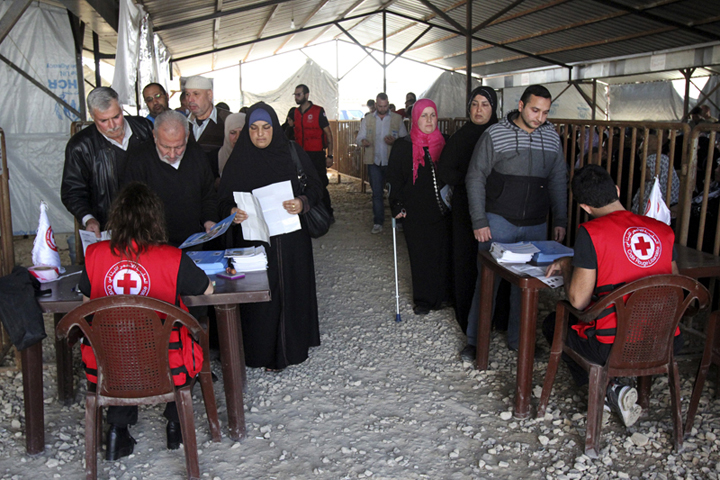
426, 229
452, 167
280, 332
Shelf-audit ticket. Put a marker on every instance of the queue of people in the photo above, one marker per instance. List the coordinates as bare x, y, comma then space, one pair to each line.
493, 180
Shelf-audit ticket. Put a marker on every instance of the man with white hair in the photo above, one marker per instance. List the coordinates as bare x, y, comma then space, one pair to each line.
207, 122
179, 173
95, 156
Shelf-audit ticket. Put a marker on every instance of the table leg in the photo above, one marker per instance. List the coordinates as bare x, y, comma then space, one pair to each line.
526, 352
33, 395
233, 367
487, 279
63, 359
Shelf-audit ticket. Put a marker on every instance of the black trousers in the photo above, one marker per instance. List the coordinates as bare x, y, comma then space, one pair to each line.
589, 348
318, 160
124, 416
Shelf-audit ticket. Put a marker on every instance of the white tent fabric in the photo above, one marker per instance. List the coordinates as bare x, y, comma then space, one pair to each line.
36, 127
567, 102
141, 56
448, 92
652, 101
323, 91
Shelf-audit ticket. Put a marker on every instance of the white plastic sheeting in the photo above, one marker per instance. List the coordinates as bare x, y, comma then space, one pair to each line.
448, 92
36, 127
567, 102
141, 56
323, 91
652, 101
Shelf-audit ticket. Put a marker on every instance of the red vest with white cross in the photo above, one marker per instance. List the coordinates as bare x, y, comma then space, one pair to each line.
628, 247
156, 277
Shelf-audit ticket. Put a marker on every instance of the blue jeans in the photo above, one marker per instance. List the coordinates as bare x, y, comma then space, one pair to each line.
503, 232
376, 174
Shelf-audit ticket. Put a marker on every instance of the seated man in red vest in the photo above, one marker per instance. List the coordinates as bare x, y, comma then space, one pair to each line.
138, 261
614, 248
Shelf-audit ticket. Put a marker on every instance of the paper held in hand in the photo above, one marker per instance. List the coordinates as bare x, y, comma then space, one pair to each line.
88, 238
266, 215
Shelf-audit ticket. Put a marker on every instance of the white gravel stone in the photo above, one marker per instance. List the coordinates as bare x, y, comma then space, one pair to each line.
543, 440
506, 415
639, 439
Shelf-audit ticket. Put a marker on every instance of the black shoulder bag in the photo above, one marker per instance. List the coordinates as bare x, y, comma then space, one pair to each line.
316, 222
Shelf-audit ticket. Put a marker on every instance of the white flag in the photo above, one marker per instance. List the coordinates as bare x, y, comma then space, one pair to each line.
44, 250
656, 207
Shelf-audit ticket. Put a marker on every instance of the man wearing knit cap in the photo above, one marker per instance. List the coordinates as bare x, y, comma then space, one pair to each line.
207, 122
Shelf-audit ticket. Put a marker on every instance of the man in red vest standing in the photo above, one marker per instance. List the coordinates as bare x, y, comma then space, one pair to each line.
312, 132
614, 248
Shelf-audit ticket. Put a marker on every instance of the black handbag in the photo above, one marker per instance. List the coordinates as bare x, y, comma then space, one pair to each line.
19, 310
316, 222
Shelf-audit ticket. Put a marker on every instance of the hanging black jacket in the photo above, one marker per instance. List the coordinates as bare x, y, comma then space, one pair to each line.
92, 169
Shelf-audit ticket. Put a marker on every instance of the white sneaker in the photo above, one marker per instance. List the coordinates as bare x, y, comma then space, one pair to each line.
623, 399
376, 229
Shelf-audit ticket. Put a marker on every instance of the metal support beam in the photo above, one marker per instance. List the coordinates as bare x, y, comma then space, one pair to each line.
367, 50
687, 73
657, 18
384, 62
269, 37
11, 16
494, 17
42, 87
96, 57
409, 45
594, 98
468, 49
484, 40
212, 16
78, 31
444, 16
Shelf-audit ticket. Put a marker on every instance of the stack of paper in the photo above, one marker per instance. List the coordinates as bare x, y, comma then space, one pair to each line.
211, 261
520, 252
247, 259
550, 251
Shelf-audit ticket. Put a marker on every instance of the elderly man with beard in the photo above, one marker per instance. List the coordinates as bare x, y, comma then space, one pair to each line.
156, 99
178, 172
95, 156
208, 122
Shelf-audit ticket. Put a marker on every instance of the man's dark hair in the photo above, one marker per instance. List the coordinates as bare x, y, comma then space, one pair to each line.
593, 186
695, 111
304, 87
537, 90
413, 96
381, 96
137, 221
223, 105
162, 89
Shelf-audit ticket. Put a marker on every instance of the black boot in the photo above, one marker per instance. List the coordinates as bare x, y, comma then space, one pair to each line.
119, 443
174, 435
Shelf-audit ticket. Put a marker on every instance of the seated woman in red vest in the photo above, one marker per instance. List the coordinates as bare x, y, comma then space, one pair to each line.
138, 261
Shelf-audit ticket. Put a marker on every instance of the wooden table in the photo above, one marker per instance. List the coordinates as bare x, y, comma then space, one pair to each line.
529, 288
228, 294
691, 262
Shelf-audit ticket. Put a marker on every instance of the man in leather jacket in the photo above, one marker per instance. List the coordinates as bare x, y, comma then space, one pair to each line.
95, 157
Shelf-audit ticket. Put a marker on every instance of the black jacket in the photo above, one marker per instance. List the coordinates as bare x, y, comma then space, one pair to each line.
92, 169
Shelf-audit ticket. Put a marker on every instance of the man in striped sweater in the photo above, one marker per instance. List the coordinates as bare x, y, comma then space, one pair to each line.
517, 175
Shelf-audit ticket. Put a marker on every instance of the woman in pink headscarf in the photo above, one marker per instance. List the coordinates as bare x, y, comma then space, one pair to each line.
416, 196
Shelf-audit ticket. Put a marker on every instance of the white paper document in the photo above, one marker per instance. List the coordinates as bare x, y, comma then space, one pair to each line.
88, 238
537, 272
264, 206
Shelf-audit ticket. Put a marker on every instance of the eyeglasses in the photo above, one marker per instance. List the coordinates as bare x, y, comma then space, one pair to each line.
156, 96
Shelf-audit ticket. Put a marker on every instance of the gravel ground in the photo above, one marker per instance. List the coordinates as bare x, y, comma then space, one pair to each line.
377, 399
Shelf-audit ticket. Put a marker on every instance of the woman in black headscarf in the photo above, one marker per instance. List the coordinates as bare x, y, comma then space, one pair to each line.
280, 332
452, 168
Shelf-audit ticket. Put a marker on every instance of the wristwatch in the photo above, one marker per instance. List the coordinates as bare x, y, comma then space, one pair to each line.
329, 156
